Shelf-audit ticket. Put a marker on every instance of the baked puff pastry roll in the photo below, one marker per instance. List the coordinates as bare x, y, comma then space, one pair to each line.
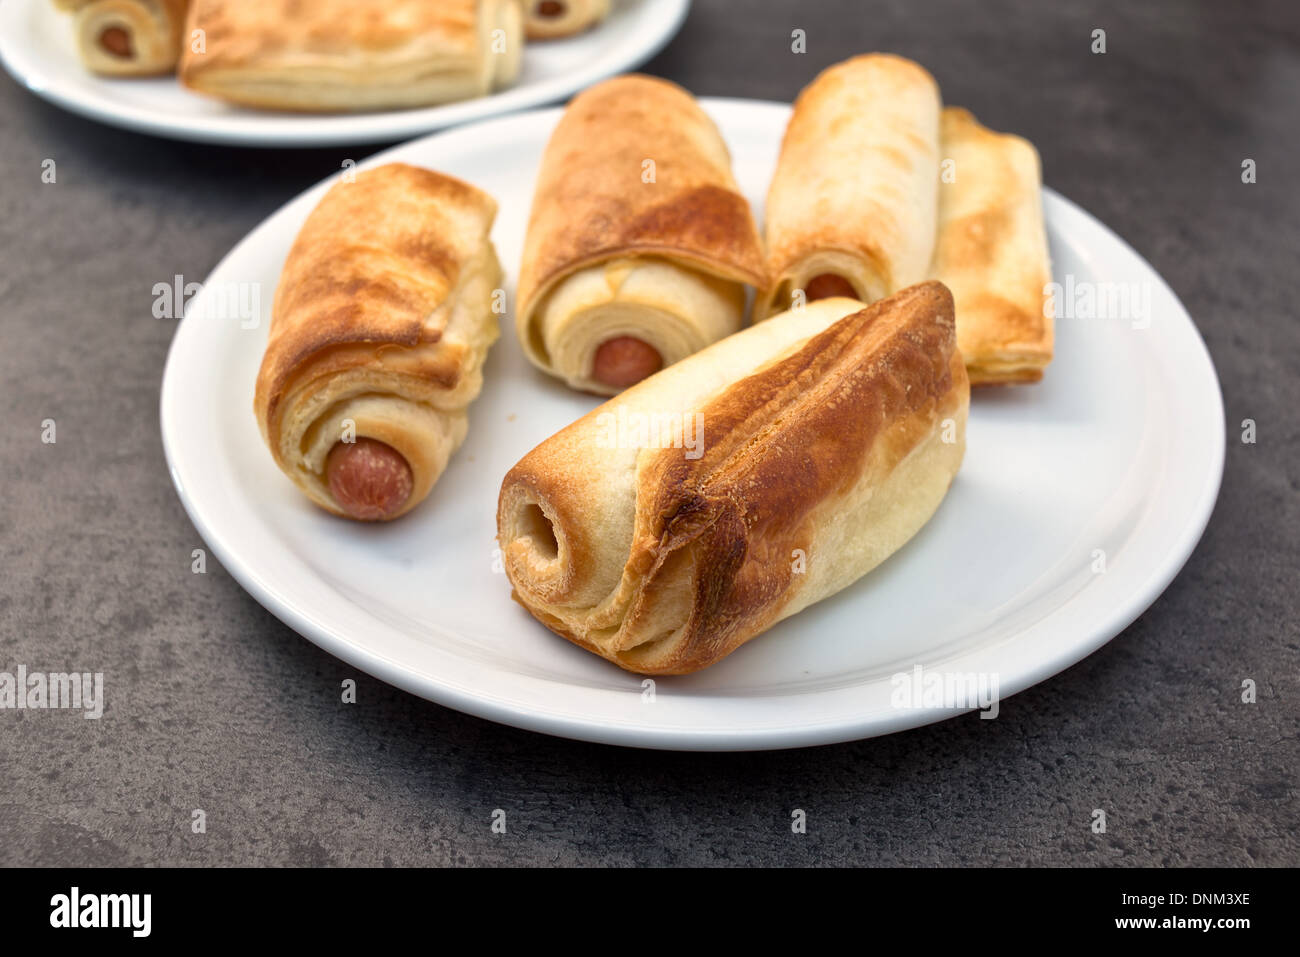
992, 251
340, 55
128, 37
548, 19
639, 244
380, 325
851, 207
679, 520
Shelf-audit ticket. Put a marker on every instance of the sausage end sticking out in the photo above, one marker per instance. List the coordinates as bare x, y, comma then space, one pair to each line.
370, 481
625, 361
827, 286
116, 41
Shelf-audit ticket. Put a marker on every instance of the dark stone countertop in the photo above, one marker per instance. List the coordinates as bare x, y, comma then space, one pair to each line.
214, 704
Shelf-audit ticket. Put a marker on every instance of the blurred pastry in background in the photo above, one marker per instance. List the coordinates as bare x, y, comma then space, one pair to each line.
128, 37
548, 19
345, 55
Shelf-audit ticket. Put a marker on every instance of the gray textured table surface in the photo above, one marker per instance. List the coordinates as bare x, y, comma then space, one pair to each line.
213, 704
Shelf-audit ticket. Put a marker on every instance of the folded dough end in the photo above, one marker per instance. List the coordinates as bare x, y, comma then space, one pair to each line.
840, 272
669, 310
129, 37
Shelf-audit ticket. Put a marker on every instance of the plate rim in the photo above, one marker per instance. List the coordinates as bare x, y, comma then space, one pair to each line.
328, 129
594, 728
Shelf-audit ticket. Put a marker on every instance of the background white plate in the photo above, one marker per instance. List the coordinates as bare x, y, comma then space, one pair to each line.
1119, 449
37, 48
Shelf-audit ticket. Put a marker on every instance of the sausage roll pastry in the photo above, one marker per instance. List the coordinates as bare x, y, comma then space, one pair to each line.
380, 325
695, 510
338, 55
128, 37
992, 251
547, 19
639, 243
851, 208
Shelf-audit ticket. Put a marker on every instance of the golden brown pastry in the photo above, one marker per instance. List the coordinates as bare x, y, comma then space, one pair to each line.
695, 510
992, 251
547, 19
338, 55
381, 322
851, 207
639, 243
128, 37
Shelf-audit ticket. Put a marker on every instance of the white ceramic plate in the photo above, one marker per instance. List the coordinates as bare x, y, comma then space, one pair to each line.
37, 48
1119, 450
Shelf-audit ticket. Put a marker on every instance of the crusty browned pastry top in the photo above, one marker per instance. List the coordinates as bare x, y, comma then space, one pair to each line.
592, 204
370, 267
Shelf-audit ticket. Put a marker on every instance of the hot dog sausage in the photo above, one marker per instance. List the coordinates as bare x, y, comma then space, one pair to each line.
625, 361
369, 480
828, 285
116, 41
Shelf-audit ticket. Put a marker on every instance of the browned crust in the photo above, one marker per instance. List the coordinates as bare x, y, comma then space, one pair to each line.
372, 262
785, 444
591, 205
